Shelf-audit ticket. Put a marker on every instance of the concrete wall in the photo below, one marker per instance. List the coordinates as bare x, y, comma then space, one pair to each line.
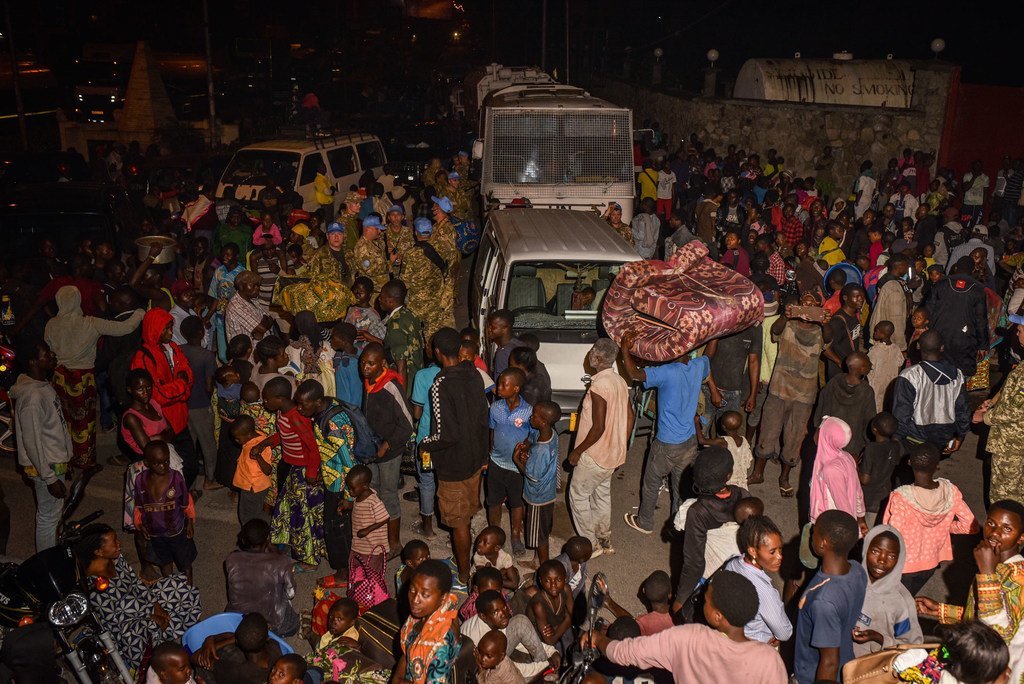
798, 131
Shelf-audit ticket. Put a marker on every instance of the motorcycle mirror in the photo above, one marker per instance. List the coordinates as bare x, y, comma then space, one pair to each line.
74, 497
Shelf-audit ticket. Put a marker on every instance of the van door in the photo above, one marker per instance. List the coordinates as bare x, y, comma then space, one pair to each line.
304, 181
344, 171
492, 277
371, 156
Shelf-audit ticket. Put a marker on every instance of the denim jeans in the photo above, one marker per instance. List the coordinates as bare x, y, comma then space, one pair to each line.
663, 459
47, 515
732, 400
428, 488
590, 499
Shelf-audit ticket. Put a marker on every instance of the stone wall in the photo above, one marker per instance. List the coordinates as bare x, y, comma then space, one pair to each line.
798, 131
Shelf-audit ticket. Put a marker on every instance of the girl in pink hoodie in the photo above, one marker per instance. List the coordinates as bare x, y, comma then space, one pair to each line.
834, 480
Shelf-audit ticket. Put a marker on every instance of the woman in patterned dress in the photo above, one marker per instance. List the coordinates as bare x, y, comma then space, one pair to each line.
137, 615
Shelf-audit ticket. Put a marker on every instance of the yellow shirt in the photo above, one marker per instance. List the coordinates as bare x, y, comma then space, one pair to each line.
829, 251
648, 179
327, 638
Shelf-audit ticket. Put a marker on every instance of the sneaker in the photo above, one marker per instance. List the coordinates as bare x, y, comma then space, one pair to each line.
518, 548
598, 550
412, 495
630, 519
606, 546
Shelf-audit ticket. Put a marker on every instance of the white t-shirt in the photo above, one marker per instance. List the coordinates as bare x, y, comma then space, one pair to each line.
666, 180
976, 195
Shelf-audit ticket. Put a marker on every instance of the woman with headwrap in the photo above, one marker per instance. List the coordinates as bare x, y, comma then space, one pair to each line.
72, 336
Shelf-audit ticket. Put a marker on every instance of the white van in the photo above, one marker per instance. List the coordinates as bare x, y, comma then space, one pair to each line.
346, 157
536, 262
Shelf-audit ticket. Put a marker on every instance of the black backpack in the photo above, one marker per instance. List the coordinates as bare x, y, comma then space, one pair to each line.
367, 441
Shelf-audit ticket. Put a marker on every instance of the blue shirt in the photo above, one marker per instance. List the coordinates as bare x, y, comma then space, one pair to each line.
828, 614
348, 384
678, 387
421, 385
510, 428
541, 472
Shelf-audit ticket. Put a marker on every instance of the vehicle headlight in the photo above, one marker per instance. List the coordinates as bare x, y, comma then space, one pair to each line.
69, 611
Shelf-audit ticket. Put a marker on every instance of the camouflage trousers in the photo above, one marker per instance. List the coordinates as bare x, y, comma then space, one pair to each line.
1007, 477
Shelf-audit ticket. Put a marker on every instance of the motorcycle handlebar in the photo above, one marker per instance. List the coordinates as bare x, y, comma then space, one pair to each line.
76, 524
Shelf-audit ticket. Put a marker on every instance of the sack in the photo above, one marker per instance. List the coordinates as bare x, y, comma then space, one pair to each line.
366, 583
467, 235
367, 441
877, 668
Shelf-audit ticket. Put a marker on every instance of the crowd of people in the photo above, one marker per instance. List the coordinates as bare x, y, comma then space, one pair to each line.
308, 365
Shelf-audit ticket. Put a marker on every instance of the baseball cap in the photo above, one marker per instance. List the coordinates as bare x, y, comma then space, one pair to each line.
353, 198
1016, 318
981, 230
423, 226
443, 202
463, 153
371, 221
397, 207
335, 228
454, 175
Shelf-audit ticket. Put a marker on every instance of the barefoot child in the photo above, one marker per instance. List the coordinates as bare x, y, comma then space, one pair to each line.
736, 442
538, 461
550, 609
252, 474
369, 518
488, 552
164, 512
510, 419
886, 362
341, 627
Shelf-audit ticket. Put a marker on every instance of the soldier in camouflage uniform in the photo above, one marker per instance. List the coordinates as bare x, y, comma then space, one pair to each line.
423, 272
370, 259
1004, 413
460, 164
458, 192
397, 236
443, 240
429, 175
349, 218
403, 341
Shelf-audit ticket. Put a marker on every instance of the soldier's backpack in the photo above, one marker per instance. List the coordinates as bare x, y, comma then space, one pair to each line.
367, 441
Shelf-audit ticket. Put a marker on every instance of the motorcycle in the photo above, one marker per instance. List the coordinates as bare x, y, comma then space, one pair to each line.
583, 658
49, 586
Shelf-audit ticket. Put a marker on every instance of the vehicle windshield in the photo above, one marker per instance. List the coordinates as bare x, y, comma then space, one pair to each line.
550, 295
259, 167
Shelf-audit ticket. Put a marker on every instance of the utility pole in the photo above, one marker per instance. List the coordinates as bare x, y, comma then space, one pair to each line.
494, 30
209, 76
19, 103
567, 42
544, 36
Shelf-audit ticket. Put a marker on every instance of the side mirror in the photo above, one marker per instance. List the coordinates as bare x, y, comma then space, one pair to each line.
478, 148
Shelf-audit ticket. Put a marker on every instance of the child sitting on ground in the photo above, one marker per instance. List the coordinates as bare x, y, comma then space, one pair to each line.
550, 609
537, 458
731, 424
493, 667
413, 553
656, 592
164, 512
288, 669
252, 473
488, 552
877, 464
888, 616
342, 629
238, 657
926, 513
994, 596
369, 517
169, 662
484, 579
429, 639
574, 557
886, 362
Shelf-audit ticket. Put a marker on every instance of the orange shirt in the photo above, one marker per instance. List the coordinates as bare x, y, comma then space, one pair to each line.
610, 450
248, 475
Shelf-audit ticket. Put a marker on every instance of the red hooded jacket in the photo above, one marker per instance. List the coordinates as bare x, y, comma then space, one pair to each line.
170, 390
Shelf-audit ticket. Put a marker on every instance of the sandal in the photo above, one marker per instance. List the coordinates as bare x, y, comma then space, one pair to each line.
786, 492
300, 568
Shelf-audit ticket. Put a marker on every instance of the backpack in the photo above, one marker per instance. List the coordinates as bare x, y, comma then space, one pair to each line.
367, 441
952, 238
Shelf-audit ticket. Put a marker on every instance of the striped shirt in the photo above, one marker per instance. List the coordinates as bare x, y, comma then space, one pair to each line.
298, 443
368, 512
771, 621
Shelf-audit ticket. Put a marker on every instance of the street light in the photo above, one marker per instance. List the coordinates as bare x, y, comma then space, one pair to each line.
937, 46
656, 67
713, 56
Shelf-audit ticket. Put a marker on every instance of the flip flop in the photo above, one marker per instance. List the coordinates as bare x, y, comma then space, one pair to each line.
786, 492
302, 568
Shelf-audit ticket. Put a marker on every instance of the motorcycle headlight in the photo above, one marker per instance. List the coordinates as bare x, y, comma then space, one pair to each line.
69, 611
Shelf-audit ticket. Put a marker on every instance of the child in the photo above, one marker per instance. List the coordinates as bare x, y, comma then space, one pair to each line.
164, 512
348, 385
288, 669
472, 335
575, 554
918, 319
252, 475
721, 542
169, 663
993, 598
492, 665
731, 424
760, 542
878, 462
266, 231
467, 352
928, 252
240, 356
834, 481
362, 315
488, 552
550, 609
970, 651
484, 579
715, 506
413, 553
341, 626
299, 510
849, 397
831, 604
430, 636
228, 390
538, 462
656, 593
926, 513
886, 362
200, 414
510, 419
272, 357
246, 655
369, 517
888, 617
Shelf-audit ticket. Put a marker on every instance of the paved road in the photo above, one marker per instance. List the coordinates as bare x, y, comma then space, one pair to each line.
636, 555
